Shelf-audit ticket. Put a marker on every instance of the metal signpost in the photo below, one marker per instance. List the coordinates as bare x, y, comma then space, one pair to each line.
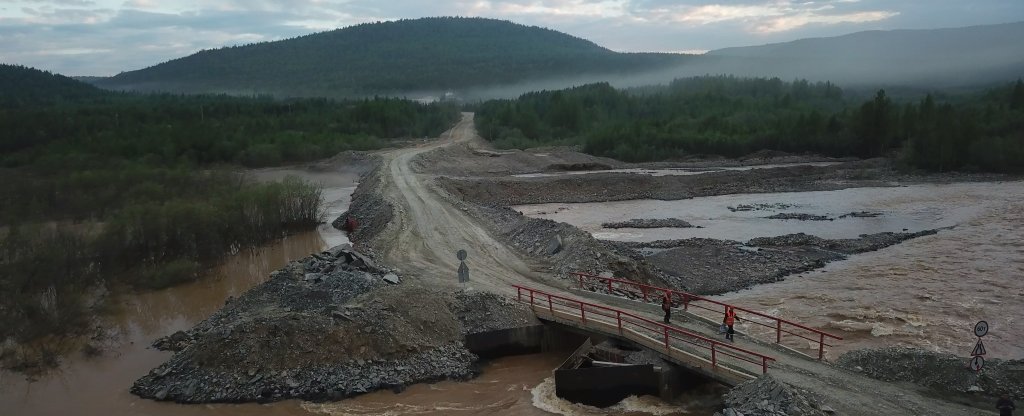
977, 361
463, 269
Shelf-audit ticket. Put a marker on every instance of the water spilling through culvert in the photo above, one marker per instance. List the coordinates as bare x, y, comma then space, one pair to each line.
926, 292
509, 386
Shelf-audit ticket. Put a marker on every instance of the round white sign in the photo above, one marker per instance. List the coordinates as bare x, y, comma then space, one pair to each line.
980, 328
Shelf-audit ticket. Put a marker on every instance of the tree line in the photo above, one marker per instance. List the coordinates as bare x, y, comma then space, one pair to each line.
105, 190
732, 117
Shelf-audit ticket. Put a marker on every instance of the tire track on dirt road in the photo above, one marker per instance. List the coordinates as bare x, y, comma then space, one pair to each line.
428, 229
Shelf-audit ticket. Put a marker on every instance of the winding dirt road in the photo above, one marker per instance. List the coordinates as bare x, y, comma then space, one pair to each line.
429, 228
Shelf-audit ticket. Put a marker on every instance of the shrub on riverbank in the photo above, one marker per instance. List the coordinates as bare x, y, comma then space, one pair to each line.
49, 269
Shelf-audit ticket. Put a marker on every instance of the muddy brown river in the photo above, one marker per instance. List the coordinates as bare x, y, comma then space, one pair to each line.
99, 385
926, 292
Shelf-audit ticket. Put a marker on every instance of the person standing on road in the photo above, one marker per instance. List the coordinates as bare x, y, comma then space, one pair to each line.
666, 305
1005, 406
730, 320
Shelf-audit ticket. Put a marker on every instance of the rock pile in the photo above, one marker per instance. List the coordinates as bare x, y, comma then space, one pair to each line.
759, 207
944, 373
862, 244
862, 214
799, 217
767, 396
329, 326
650, 223
568, 248
687, 263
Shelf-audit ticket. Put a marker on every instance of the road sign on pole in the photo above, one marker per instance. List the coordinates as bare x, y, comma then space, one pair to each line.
977, 363
463, 269
979, 349
980, 329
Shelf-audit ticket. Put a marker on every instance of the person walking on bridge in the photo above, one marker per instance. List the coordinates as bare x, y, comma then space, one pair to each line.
730, 320
666, 305
1005, 406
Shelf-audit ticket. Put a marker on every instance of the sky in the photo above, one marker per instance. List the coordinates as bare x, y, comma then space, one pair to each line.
104, 37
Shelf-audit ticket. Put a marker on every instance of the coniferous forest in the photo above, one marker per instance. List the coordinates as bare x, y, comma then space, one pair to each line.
144, 190
736, 116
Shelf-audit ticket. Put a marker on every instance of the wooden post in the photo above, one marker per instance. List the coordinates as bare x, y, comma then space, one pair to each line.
821, 347
778, 331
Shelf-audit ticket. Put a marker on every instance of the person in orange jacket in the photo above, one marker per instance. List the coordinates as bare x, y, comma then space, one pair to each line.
729, 320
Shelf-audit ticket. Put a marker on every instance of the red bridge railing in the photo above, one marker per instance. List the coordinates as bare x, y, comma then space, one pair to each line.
669, 335
688, 300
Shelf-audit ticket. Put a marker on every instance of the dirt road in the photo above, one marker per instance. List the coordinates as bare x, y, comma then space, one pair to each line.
429, 227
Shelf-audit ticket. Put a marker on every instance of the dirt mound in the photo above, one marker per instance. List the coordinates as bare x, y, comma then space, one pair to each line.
862, 244
327, 327
574, 167
370, 211
650, 223
943, 373
767, 396
735, 265
566, 248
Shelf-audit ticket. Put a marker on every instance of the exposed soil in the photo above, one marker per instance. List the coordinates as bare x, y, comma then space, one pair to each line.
319, 334
328, 327
650, 223
942, 373
736, 265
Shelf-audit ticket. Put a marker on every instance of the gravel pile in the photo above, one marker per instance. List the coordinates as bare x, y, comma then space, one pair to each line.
799, 217
327, 327
600, 187
862, 244
759, 207
862, 214
369, 209
650, 223
767, 396
579, 166
944, 373
565, 247
707, 266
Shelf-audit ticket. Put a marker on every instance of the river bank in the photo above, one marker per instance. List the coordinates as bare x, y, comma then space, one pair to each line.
96, 381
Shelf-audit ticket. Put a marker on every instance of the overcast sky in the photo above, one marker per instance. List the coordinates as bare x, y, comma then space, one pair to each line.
104, 37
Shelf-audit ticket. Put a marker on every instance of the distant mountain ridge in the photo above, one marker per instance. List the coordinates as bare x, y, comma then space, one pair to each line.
429, 54
20, 85
935, 57
496, 58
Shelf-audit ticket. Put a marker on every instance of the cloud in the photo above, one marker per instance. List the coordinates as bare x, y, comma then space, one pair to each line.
103, 37
787, 23
766, 17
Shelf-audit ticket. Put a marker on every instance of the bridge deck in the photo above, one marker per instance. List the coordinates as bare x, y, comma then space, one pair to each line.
721, 361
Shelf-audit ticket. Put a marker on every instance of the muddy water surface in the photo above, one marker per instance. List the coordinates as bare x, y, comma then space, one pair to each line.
926, 292
510, 386
99, 386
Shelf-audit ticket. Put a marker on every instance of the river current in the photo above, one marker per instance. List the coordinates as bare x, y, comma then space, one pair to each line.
98, 386
926, 292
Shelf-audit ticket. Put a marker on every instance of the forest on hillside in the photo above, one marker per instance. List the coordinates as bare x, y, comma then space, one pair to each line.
107, 189
430, 54
728, 116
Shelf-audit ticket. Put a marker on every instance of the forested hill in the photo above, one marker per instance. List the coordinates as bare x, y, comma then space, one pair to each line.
933, 58
21, 85
430, 54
